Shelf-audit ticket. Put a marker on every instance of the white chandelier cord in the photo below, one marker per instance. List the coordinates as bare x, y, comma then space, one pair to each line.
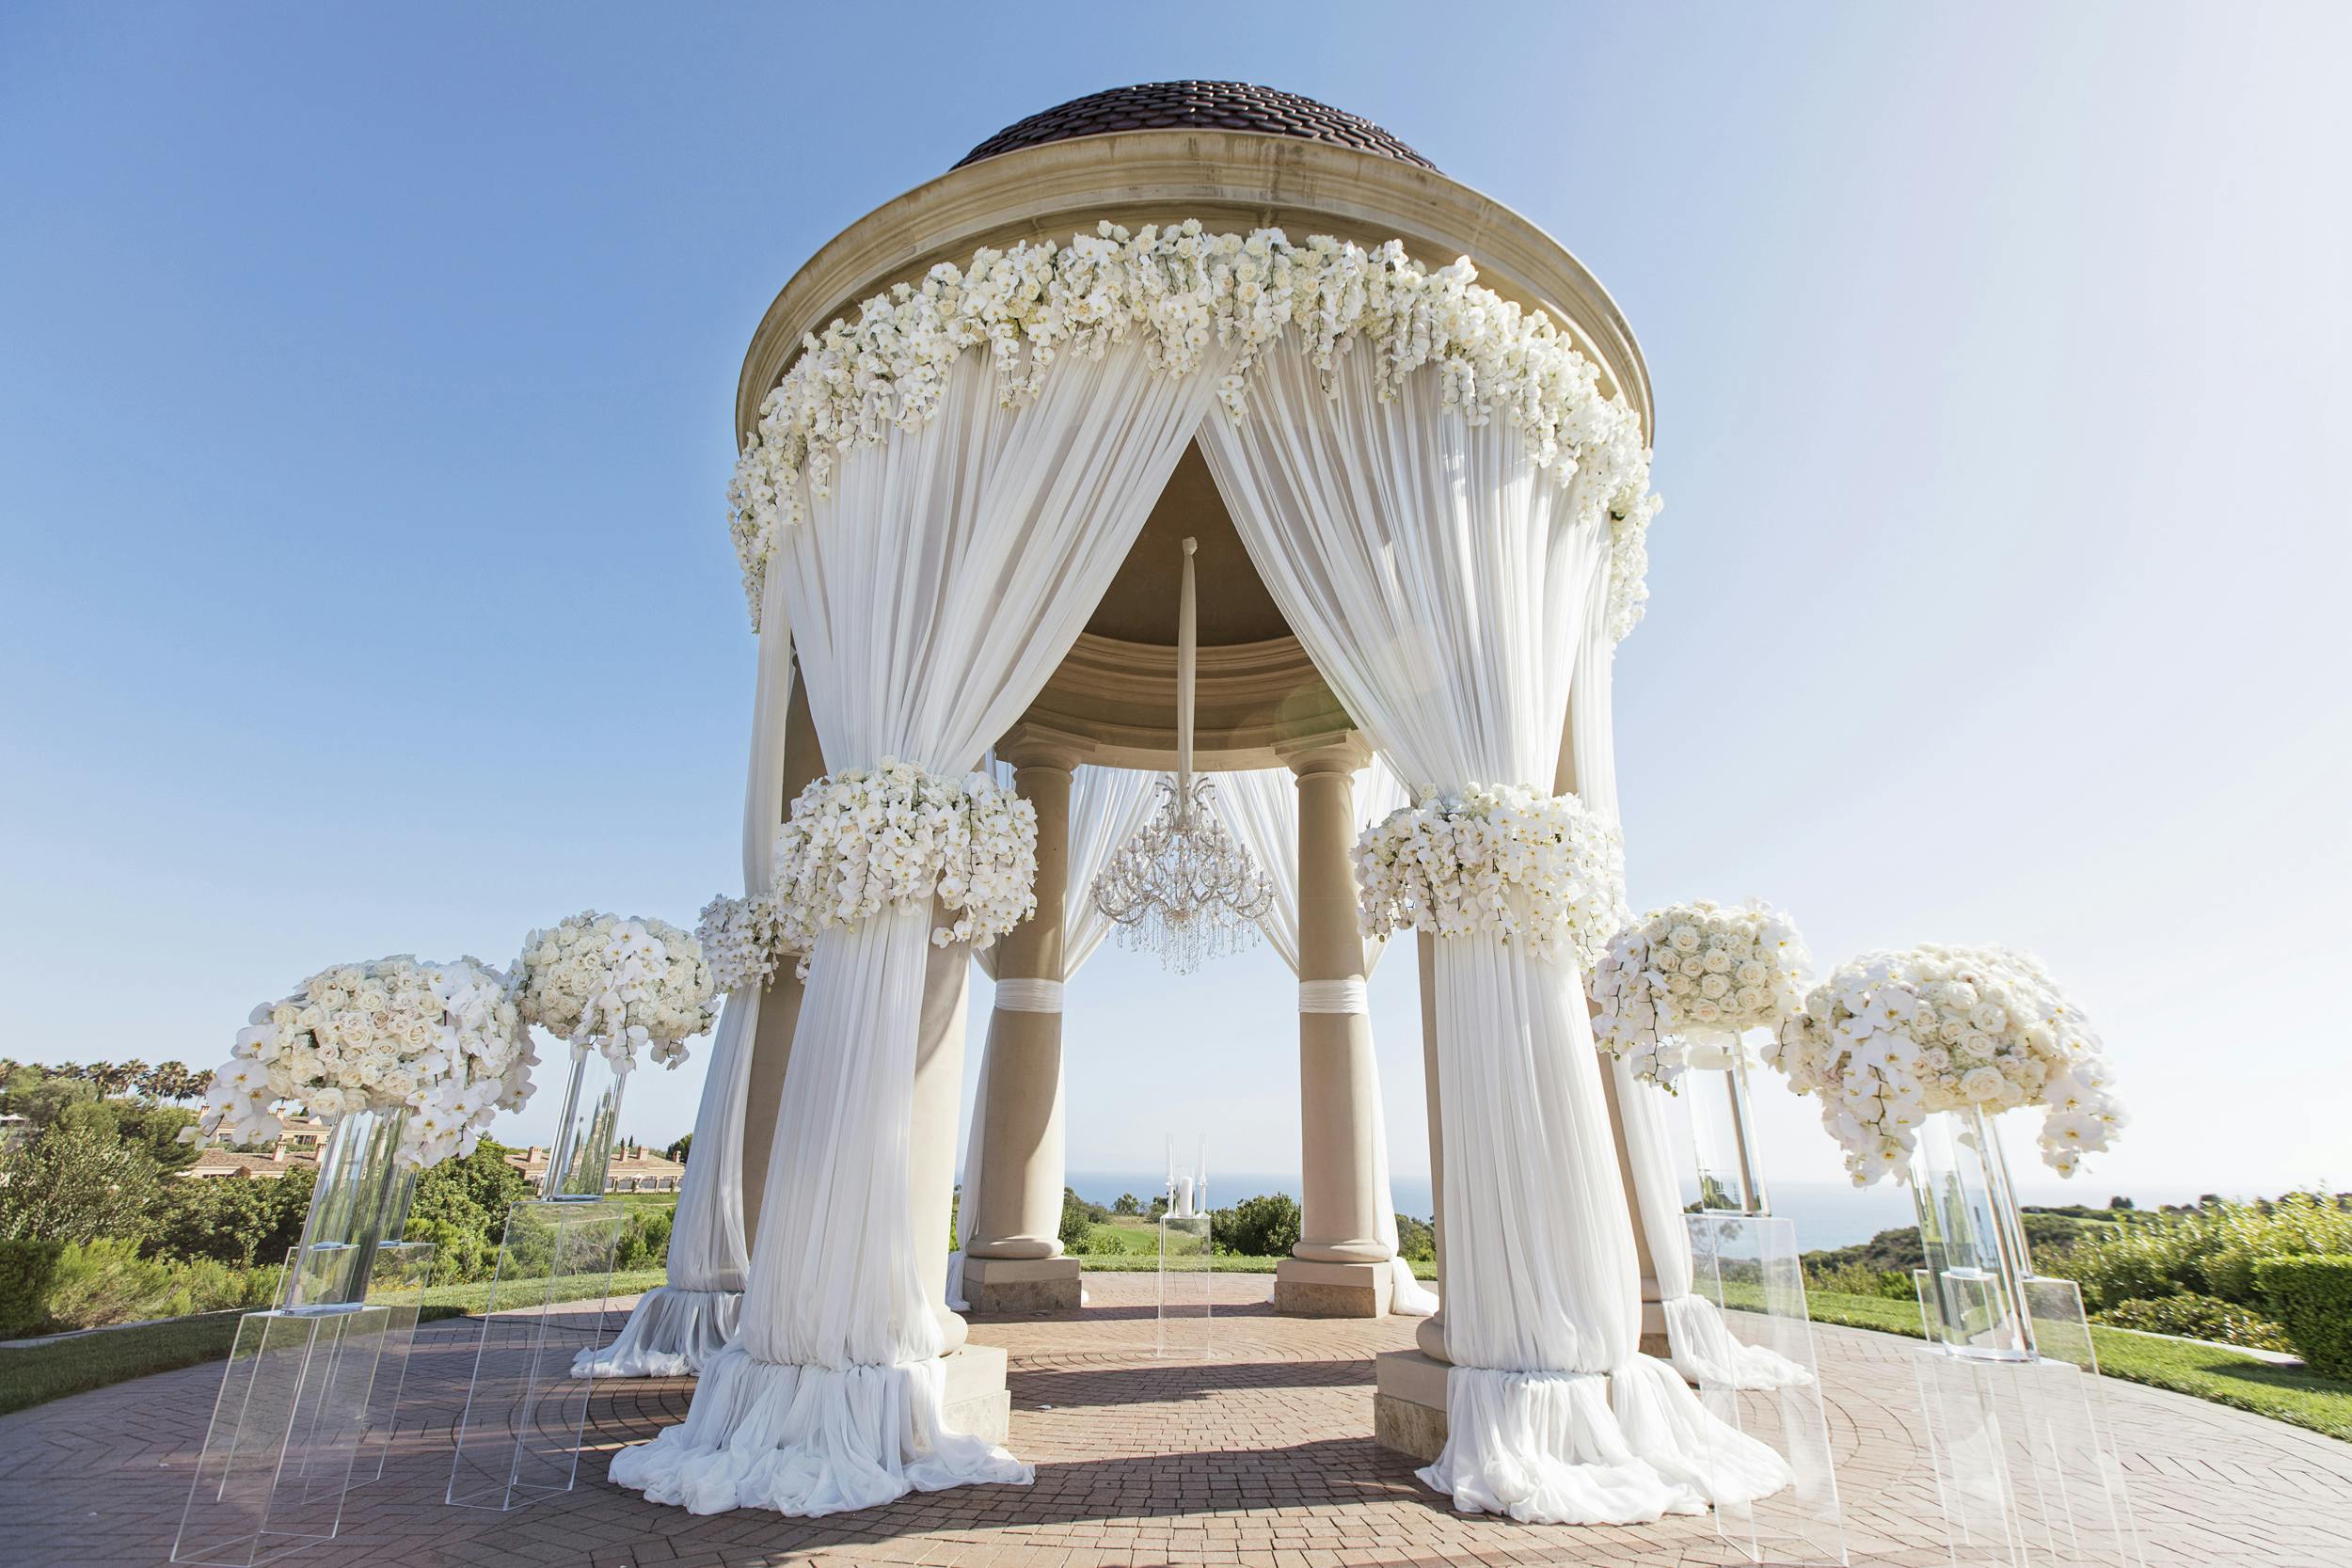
1351, 995
1016, 996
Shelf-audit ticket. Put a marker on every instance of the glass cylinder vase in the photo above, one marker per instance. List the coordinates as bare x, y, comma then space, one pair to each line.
360, 1201
1723, 1130
1974, 1284
587, 1128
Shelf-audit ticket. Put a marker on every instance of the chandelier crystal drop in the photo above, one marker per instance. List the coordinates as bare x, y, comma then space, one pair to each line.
1182, 886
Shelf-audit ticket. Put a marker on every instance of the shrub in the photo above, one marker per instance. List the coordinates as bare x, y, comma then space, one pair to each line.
1077, 1222
2312, 1296
1264, 1226
2195, 1317
1857, 1279
2212, 1249
234, 1221
26, 1269
1416, 1240
106, 1281
76, 1184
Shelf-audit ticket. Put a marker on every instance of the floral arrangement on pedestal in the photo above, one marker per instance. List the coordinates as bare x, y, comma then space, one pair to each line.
1543, 872
1890, 1037
866, 838
621, 986
1678, 988
1176, 290
740, 940
443, 1040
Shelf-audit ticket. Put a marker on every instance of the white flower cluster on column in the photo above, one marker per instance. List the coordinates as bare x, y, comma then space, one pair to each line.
1177, 290
738, 937
866, 838
1689, 979
1540, 870
621, 986
443, 1040
1889, 1037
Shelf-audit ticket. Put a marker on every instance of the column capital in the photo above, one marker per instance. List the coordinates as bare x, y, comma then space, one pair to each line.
1326, 752
1033, 745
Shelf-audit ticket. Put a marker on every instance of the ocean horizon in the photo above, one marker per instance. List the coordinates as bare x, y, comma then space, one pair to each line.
1827, 1214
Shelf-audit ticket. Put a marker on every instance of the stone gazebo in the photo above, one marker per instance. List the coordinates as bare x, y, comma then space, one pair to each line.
1236, 158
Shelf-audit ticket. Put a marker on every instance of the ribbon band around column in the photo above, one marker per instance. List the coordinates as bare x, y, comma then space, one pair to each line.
1350, 995
1016, 995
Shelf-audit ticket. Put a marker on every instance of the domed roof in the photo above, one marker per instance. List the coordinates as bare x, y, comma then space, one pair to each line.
1197, 106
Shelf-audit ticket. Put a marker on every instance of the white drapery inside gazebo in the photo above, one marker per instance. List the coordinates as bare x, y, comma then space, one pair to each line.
932, 592
1261, 808
1106, 806
1439, 581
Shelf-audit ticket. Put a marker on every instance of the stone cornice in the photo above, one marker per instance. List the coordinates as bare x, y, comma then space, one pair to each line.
1228, 180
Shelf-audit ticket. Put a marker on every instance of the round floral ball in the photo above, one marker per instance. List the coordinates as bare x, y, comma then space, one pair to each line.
444, 1041
1677, 988
619, 985
1889, 1039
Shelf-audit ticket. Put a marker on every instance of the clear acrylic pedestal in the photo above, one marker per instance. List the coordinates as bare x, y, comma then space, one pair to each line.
403, 1269
518, 1439
285, 1434
299, 1398
1188, 1261
2025, 1464
1747, 1265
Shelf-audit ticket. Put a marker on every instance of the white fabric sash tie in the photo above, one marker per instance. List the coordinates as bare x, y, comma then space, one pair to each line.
1016, 996
1350, 995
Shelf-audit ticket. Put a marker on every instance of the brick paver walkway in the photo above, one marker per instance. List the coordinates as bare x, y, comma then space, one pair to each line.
1261, 1455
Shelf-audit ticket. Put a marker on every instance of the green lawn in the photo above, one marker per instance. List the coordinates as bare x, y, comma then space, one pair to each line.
36, 1374
2289, 1394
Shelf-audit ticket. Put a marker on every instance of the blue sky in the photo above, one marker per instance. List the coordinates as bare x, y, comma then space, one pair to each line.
365, 392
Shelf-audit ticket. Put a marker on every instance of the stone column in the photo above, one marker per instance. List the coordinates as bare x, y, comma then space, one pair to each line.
1014, 1262
1339, 1268
779, 1003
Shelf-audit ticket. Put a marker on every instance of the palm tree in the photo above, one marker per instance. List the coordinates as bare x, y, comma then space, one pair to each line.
110, 1078
136, 1075
173, 1080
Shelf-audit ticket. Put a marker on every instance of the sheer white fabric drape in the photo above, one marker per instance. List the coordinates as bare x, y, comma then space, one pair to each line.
679, 1325
1106, 806
932, 594
1439, 582
1701, 1343
1259, 807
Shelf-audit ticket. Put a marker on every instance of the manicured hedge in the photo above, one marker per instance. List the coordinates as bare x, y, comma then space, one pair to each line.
25, 1270
2312, 1299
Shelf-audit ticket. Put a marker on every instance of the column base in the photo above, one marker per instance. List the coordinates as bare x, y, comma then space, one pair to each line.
976, 1399
1304, 1289
1409, 1403
1022, 1284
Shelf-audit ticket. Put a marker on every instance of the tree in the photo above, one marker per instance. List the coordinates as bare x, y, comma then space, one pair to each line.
135, 1076
1416, 1240
1127, 1204
76, 1184
1077, 1222
679, 1149
1264, 1226
233, 1220
461, 1208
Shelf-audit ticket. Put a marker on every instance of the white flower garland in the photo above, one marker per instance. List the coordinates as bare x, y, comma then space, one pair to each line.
1176, 290
1679, 987
620, 986
1891, 1036
741, 938
1496, 860
866, 838
443, 1040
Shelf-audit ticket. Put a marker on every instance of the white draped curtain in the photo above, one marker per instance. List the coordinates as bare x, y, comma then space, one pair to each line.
679, 1325
1260, 809
1701, 1343
1441, 583
1106, 806
932, 594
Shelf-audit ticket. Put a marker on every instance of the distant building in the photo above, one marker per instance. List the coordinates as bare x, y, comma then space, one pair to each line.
295, 1149
635, 1168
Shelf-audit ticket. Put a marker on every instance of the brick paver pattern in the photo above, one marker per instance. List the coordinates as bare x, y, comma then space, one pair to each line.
1261, 1453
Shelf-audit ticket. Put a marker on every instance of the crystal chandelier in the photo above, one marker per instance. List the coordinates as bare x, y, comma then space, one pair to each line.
1182, 887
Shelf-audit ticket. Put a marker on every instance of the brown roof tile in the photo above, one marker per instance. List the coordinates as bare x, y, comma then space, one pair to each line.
1201, 106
